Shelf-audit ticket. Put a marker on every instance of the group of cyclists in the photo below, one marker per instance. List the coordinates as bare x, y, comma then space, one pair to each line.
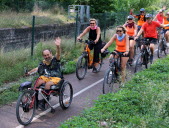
124, 38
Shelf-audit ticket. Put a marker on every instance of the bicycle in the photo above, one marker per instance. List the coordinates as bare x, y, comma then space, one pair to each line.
112, 75
143, 57
162, 48
28, 100
85, 61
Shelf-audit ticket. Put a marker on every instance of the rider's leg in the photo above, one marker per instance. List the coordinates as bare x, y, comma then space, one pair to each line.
39, 82
96, 57
132, 44
167, 37
123, 68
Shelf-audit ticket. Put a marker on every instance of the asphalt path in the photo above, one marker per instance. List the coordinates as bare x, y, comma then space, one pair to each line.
85, 92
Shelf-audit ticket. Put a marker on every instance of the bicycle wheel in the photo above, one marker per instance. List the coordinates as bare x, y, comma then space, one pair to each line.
25, 107
108, 82
139, 63
66, 95
161, 49
99, 65
81, 67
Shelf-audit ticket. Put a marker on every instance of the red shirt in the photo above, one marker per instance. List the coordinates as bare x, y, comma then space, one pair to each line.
159, 18
150, 29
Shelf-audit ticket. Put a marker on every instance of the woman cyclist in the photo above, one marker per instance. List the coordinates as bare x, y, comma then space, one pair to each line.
94, 35
166, 29
131, 31
122, 46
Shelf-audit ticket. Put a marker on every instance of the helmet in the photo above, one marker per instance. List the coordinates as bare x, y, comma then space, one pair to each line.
130, 17
149, 15
142, 10
167, 13
161, 10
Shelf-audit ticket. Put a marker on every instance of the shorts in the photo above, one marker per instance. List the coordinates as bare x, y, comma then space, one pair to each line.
151, 40
165, 30
55, 80
131, 38
121, 54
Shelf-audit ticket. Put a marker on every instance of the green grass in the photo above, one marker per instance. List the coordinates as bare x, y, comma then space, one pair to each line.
11, 19
142, 103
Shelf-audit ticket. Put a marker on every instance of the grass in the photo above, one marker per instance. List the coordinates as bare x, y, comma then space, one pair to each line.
142, 103
10, 19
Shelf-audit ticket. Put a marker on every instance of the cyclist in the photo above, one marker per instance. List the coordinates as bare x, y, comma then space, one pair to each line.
166, 29
49, 67
159, 16
141, 18
150, 32
122, 46
94, 35
131, 30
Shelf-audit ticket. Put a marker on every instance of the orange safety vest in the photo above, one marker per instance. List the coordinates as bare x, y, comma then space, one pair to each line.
165, 21
121, 45
130, 31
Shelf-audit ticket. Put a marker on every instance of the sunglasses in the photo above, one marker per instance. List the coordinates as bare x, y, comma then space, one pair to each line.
141, 12
130, 19
148, 18
118, 30
92, 23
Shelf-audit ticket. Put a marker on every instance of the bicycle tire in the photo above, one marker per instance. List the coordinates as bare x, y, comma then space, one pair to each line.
24, 106
161, 49
81, 65
66, 95
108, 83
139, 63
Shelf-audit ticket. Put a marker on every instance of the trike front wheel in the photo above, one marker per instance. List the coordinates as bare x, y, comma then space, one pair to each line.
25, 107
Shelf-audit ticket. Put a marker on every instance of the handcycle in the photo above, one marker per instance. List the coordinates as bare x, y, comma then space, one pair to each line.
85, 61
162, 48
28, 100
112, 75
143, 57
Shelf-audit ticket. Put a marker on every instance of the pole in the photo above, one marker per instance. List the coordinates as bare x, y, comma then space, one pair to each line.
104, 26
33, 37
76, 27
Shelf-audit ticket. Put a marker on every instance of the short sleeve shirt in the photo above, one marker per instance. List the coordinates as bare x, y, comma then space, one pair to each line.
150, 30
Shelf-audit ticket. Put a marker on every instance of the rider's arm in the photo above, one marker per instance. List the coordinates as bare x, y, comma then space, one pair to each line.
98, 34
135, 29
127, 44
164, 25
140, 32
32, 71
57, 43
155, 18
109, 43
83, 33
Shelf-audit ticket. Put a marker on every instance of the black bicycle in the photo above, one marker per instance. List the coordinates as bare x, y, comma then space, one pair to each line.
85, 61
143, 57
162, 48
113, 73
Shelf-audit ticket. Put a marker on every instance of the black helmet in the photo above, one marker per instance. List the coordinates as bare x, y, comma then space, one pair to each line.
149, 15
130, 17
142, 10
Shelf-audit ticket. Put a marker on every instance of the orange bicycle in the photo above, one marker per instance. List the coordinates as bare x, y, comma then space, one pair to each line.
86, 60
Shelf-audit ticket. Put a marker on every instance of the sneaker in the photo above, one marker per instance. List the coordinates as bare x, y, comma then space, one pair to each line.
94, 70
151, 59
130, 62
41, 105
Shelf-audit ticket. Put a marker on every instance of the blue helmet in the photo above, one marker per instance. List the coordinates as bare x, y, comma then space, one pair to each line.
149, 15
142, 10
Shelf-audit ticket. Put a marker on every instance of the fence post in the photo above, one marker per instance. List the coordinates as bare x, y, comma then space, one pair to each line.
33, 36
76, 27
105, 25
